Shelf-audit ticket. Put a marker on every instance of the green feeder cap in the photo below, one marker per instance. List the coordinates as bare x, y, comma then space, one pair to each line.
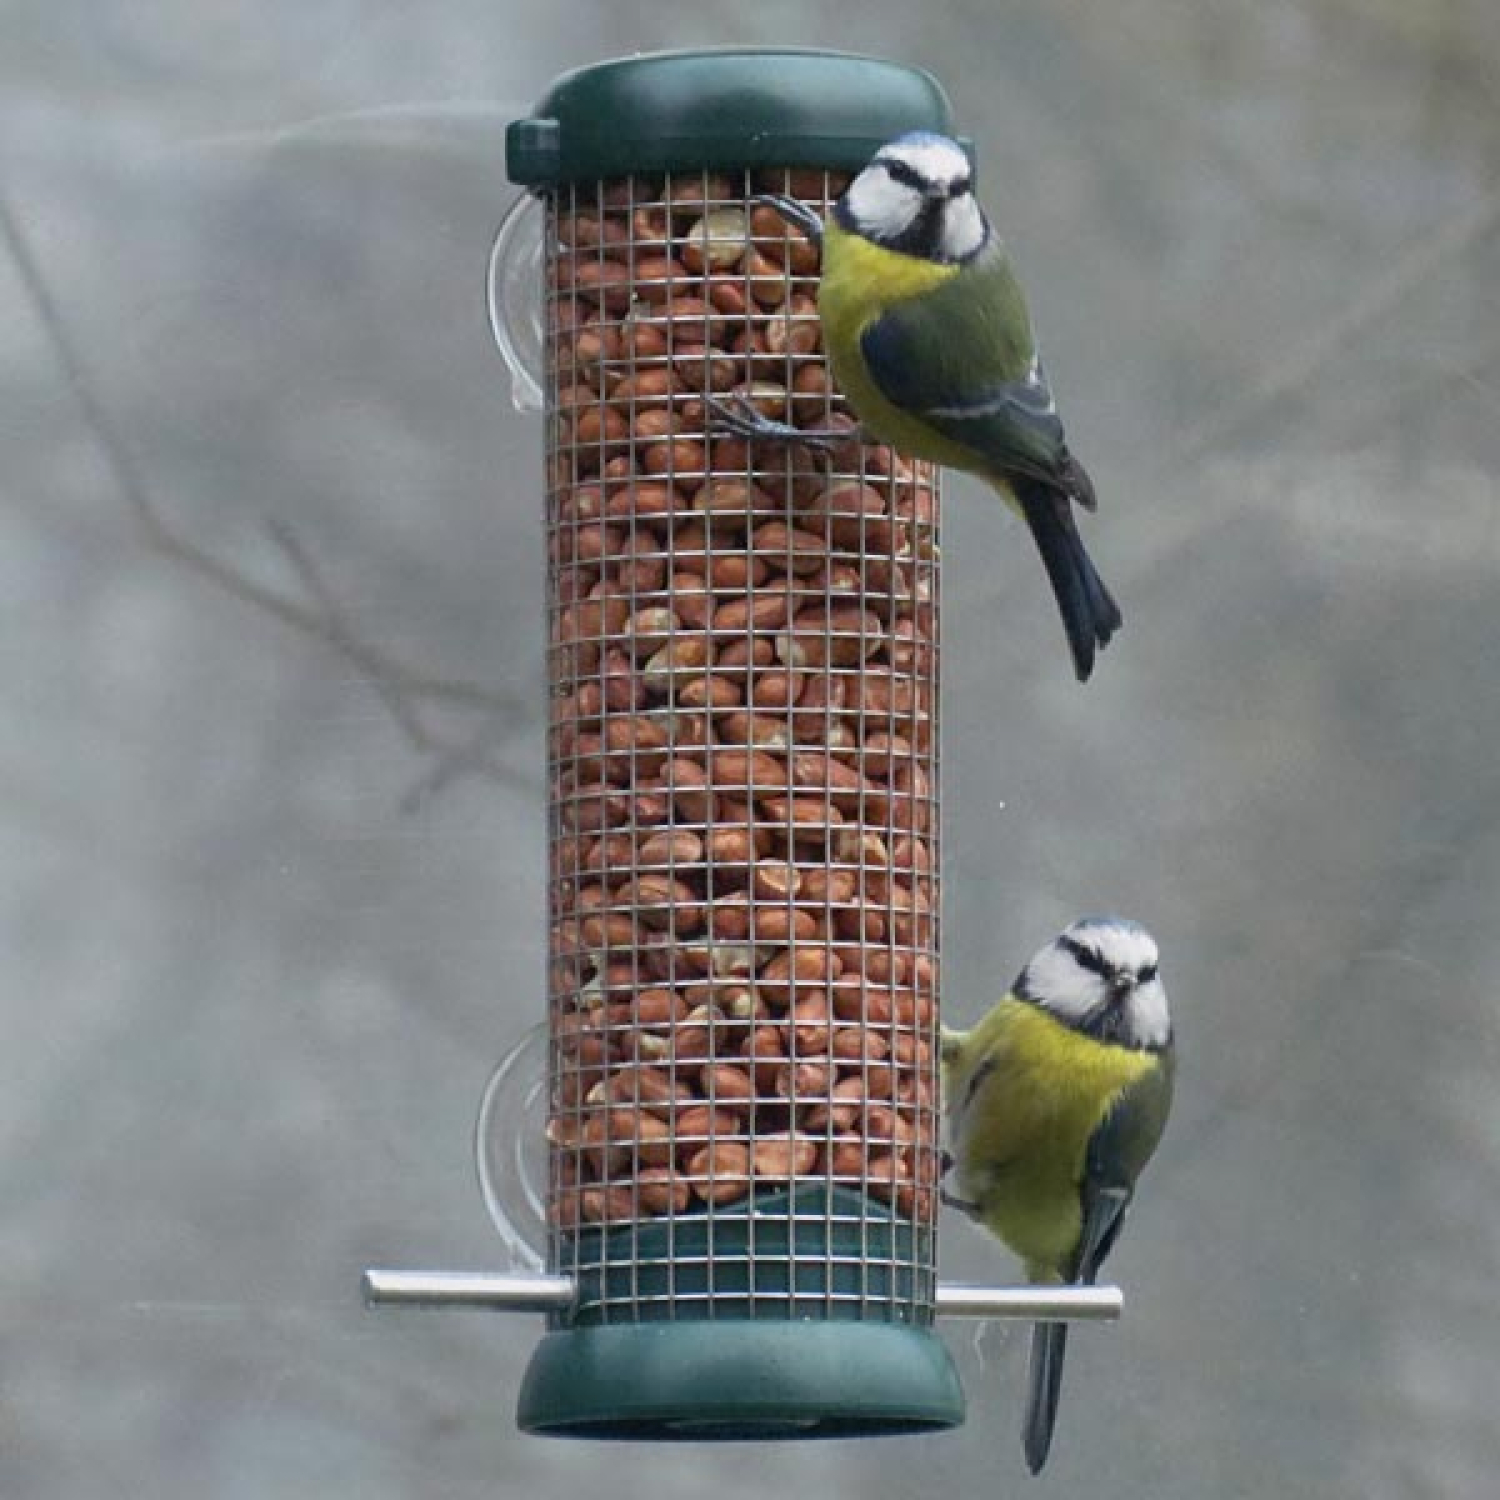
721, 108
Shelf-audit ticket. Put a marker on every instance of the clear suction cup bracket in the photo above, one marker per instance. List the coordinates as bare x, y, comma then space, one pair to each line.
513, 296
510, 1149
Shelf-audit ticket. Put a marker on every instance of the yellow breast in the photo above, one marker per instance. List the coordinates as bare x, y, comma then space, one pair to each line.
860, 282
863, 279
1022, 1139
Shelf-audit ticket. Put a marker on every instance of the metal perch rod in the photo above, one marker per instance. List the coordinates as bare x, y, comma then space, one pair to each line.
528, 1293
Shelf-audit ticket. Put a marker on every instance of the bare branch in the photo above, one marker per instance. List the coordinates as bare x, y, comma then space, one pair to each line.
473, 757
400, 686
337, 629
469, 756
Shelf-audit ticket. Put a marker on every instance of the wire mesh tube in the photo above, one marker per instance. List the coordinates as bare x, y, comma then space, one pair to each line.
743, 761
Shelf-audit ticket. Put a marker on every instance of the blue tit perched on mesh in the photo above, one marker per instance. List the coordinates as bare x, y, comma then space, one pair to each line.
1054, 1103
929, 337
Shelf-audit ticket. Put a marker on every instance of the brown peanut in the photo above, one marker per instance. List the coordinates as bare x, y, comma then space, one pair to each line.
720, 1173
663, 1191
782, 1156
726, 1083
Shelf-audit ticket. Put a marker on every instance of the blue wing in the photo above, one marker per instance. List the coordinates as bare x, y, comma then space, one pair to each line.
1117, 1151
927, 364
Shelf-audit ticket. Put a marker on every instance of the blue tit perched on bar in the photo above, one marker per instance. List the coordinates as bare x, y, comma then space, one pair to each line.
930, 339
1054, 1103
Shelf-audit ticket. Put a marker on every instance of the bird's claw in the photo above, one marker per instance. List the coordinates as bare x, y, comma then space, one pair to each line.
738, 416
794, 212
946, 1164
949, 1200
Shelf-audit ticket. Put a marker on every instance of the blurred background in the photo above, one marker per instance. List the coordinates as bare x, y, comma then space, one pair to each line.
262, 941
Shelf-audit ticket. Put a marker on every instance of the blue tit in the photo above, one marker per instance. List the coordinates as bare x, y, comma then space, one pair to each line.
1054, 1103
928, 335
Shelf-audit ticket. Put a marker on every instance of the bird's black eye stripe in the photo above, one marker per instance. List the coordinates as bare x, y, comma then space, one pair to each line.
904, 172
1146, 975
1087, 958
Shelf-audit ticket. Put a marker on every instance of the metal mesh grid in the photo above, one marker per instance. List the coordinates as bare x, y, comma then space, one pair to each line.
743, 765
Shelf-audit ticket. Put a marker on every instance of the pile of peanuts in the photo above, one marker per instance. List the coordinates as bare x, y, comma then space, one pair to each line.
743, 671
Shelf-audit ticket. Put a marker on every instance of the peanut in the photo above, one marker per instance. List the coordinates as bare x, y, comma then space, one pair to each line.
803, 1080
782, 1156
680, 846
782, 242
599, 1204
720, 1172
701, 1122
723, 1082
663, 1190
601, 279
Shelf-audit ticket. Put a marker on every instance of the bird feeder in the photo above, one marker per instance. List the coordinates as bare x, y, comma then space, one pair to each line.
742, 1104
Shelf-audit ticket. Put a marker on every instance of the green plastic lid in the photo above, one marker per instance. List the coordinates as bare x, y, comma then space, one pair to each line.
721, 108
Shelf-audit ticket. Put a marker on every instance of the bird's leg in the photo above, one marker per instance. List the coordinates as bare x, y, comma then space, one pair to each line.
796, 213
738, 416
948, 1200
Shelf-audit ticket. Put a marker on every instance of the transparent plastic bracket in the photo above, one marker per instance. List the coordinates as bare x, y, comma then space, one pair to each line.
513, 296
510, 1149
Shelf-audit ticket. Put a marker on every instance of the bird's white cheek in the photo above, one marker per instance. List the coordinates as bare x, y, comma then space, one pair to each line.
1061, 986
1152, 1019
963, 229
881, 205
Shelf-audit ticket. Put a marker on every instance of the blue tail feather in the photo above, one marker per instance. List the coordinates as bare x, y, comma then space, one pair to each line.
1049, 1342
1089, 613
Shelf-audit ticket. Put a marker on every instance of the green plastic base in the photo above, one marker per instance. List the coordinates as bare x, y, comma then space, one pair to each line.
718, 1380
